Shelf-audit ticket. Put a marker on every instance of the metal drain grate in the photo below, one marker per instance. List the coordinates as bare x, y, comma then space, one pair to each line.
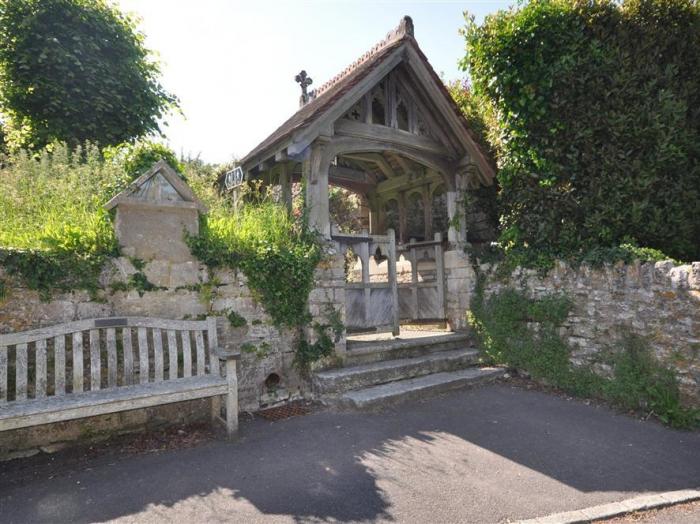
293, 409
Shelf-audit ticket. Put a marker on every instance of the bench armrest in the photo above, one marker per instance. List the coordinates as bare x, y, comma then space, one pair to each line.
226, 354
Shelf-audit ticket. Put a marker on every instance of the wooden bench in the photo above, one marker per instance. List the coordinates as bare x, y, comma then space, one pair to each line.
98, 366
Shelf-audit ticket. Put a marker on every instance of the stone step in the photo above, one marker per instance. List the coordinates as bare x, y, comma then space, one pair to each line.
413, 388
361, 351
336, 381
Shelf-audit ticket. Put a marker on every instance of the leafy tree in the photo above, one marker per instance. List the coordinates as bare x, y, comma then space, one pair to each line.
598, 124
76, 70
479, 112
138, 157
481, 204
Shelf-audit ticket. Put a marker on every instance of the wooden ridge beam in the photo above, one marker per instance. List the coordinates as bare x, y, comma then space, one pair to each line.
376, 159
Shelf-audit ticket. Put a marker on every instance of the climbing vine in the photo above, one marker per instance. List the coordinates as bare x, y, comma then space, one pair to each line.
327, 335
46, 271
137, 282
278, 256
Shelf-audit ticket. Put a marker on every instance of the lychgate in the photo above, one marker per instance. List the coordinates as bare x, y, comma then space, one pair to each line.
387, 129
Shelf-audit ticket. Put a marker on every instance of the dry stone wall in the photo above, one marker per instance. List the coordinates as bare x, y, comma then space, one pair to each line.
183, 290
659, 301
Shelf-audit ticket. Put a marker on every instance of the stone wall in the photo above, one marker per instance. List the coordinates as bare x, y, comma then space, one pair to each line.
49, 438
459, 281
328, 296
185, 290
659, 301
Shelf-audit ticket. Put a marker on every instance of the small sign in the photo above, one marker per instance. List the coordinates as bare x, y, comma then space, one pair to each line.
234, 178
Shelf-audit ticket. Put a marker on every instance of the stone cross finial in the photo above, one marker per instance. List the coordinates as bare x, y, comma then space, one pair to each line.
406, 26
304, 81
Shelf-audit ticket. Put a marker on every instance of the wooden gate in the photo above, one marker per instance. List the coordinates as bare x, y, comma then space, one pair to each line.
371, 304
422, 293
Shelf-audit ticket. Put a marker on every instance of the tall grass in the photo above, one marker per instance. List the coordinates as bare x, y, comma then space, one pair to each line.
54, 233
53, 202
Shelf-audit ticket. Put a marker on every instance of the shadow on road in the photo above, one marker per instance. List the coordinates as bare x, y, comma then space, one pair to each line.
518, 453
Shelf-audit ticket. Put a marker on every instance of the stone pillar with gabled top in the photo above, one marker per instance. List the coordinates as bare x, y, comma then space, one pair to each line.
154, 214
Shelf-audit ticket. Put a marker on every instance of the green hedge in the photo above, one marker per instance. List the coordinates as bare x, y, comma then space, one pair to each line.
597, 110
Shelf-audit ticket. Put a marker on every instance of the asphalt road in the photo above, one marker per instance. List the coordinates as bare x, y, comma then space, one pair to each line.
486, 455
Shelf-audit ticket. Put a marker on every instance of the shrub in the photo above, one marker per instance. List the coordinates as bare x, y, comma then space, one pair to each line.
597, 125
276, 252
479, 112
138, 157
344, 208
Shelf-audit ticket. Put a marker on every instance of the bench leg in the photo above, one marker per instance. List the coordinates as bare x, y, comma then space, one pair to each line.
231, 398
215, 409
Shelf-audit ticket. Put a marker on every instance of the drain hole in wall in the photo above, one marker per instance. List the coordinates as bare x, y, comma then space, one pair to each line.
272, 382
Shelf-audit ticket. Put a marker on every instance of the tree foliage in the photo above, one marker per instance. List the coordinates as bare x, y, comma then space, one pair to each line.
138, 157
597, 107
479, 112
76, 70
344, 207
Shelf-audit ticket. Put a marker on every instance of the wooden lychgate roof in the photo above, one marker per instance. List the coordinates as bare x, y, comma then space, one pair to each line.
333, 98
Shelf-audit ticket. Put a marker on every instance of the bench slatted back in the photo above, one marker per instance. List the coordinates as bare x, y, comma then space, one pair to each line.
89, 355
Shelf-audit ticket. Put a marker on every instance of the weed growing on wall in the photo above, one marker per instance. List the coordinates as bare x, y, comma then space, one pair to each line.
235, 319
543, 262
137, 282
523, 333
326, 334
640, 382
